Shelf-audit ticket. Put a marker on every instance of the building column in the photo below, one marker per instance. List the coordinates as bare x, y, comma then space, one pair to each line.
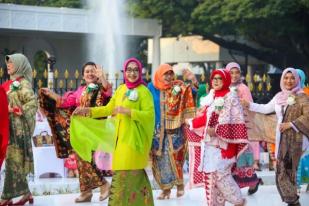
155, 54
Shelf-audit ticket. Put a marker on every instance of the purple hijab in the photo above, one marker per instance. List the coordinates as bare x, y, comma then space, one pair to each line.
132, 85
282, 96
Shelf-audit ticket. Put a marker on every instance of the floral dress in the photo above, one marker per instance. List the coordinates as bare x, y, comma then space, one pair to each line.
169, 144
19, 157
59, 113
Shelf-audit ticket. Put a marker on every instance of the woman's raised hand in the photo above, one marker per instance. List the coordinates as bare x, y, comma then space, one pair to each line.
101, 75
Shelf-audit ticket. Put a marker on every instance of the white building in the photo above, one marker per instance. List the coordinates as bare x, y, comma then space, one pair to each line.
62, 32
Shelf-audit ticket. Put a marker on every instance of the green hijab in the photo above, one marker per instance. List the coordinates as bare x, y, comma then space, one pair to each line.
22, 66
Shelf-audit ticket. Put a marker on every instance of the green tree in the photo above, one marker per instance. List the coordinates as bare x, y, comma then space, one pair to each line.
275, 31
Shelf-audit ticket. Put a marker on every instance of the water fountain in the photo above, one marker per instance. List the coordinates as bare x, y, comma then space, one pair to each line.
106, 46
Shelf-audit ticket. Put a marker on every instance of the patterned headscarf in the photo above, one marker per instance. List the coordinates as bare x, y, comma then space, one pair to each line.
281, 97
159, 82
302, 77
226, 79
22, 66
132, 85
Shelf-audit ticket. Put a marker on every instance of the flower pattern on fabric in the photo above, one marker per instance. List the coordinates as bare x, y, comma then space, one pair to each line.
245, 176
130, 188
90, 177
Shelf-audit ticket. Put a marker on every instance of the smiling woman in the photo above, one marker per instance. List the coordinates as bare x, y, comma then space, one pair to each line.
132, 107
291, 106
174, 102
96, 92
224, 140
132, 72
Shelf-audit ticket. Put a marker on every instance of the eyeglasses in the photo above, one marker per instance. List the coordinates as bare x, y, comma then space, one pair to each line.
217, 78
132, 70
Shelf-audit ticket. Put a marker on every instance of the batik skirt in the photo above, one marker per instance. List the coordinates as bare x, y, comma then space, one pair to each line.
130, 188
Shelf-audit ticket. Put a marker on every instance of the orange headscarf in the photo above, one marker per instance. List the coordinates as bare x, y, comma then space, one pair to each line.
306, 90
159, 77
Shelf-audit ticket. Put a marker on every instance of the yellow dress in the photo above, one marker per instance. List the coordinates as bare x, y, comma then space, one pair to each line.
133, 136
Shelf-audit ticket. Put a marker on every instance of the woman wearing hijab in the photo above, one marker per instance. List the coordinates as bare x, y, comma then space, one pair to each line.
4, 122
224, 140
173, 102
132, 106
22, 106
96, 92
291, 106
244, 173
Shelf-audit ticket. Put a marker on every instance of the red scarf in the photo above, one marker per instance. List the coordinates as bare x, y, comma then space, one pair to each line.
226, 79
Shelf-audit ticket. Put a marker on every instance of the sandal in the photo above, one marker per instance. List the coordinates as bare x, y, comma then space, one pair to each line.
84, 197
104, 191
164, 195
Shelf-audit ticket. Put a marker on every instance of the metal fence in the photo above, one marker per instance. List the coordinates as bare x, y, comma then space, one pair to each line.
260, 86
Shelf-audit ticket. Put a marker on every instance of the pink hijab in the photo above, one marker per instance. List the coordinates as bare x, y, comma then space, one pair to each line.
132, 85
231, 65
281, 97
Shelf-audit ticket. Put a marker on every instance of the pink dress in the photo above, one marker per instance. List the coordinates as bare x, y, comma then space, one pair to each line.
244, 93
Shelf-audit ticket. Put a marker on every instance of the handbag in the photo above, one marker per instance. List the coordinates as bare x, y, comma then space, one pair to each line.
43, 139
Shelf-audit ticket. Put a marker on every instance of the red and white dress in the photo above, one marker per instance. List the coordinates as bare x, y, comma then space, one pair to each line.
218, 154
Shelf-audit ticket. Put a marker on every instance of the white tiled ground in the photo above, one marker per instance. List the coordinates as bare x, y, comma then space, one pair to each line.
266, 196
63, 191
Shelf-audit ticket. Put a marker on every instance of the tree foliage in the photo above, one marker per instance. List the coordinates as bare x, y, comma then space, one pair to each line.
275, 31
